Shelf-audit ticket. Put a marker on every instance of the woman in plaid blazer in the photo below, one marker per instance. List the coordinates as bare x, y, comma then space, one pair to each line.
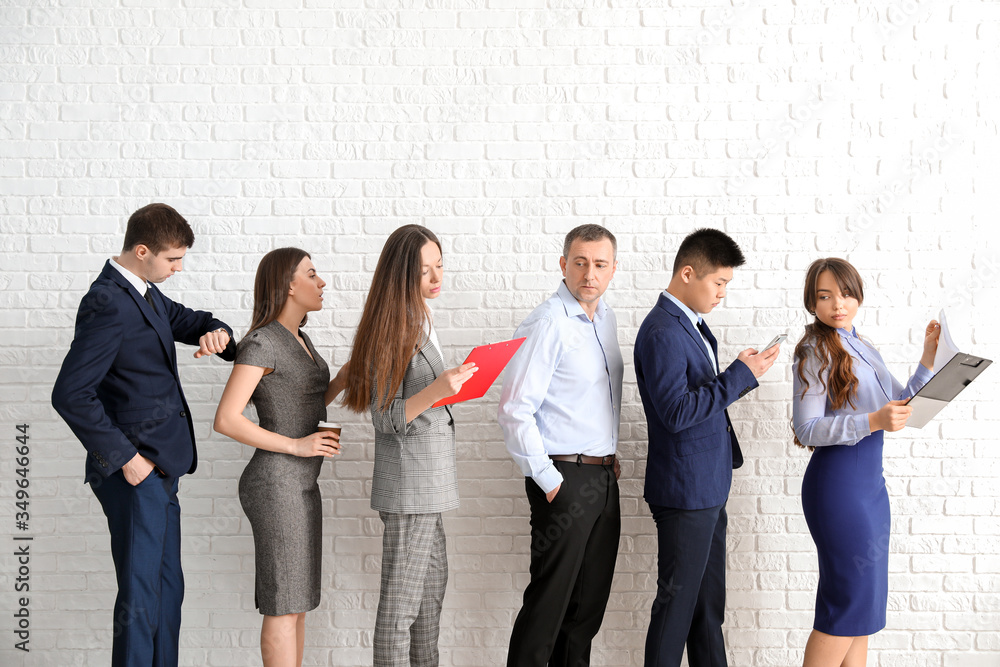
397, 373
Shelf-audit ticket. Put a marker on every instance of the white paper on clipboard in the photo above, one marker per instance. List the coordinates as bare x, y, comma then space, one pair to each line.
946, 344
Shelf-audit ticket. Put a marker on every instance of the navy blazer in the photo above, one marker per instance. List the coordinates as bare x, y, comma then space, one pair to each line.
692, 446
119, 389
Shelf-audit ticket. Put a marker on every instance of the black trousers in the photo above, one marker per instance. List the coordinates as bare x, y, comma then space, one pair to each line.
574, 547
690, 602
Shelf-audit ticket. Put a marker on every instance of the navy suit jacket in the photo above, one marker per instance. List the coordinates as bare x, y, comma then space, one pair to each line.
118, 388
692, 446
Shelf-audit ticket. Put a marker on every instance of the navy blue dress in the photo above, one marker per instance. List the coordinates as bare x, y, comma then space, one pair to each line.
844, 498
847, 509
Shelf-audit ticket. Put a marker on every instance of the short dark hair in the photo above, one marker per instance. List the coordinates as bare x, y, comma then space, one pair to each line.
706, 250
158, 227
589, 233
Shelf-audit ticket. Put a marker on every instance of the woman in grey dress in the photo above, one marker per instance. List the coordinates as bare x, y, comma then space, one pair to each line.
399, 377
278, 368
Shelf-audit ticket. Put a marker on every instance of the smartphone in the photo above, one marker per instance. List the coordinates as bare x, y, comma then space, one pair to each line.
778, 340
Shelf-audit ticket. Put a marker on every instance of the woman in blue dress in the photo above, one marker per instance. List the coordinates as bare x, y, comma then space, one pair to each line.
844, 400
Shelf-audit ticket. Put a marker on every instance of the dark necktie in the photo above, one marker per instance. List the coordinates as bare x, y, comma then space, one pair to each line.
149, 300
703, 328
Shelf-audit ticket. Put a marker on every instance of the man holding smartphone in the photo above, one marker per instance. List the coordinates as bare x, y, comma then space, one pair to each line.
692, 449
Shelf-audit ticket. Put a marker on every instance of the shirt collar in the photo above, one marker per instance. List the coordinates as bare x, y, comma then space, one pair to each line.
693, 316
853, 333
573, 307
138, 283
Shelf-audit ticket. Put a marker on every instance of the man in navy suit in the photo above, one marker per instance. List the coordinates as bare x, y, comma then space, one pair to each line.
120, 393
692, 449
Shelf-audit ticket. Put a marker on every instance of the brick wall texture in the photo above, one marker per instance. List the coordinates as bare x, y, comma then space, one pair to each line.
866, 130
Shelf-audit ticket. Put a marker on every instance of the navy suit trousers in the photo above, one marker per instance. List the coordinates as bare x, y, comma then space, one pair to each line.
690, 602
145, 525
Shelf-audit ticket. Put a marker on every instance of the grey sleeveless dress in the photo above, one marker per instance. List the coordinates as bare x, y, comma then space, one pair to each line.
278, 491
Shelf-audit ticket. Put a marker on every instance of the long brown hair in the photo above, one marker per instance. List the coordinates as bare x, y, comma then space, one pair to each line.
270, 288
842, 384
392, 323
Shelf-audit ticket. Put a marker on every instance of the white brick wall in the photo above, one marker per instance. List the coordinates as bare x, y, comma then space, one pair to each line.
862, 130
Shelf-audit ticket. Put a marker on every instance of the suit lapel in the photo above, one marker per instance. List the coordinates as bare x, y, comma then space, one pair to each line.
157, 322
669, 306
433, 359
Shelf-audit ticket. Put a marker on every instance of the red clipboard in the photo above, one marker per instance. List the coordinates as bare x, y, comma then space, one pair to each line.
491, 360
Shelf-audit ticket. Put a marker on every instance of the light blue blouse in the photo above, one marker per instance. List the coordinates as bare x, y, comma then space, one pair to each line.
816, 424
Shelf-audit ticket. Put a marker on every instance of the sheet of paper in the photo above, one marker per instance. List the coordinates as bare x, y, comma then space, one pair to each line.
946, 345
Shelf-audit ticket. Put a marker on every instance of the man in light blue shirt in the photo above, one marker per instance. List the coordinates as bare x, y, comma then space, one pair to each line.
560, 410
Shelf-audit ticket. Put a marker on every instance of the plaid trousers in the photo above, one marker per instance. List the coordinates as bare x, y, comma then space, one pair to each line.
414, 578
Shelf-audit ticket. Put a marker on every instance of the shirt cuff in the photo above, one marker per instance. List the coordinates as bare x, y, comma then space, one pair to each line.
548, 479
862, 427
923, 374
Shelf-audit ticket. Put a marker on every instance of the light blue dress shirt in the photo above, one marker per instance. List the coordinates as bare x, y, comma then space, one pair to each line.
696, 319
562, 391
817, 425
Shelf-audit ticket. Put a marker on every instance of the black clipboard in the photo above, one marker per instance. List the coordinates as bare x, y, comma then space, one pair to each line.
946, 384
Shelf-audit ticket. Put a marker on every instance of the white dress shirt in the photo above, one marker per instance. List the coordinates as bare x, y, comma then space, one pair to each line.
431, 333
138, 283
562, 391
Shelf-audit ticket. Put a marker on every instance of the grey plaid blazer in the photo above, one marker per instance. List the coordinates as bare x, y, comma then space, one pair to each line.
415, 463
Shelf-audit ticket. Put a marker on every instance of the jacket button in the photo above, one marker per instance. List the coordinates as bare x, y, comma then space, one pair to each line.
729, 429
183, 414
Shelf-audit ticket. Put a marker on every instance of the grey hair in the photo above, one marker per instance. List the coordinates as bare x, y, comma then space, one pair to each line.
589, 233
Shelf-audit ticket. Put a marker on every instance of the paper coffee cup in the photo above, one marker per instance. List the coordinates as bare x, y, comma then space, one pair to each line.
329, 426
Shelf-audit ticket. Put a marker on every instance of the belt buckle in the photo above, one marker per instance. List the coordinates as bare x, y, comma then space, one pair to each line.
608, 460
